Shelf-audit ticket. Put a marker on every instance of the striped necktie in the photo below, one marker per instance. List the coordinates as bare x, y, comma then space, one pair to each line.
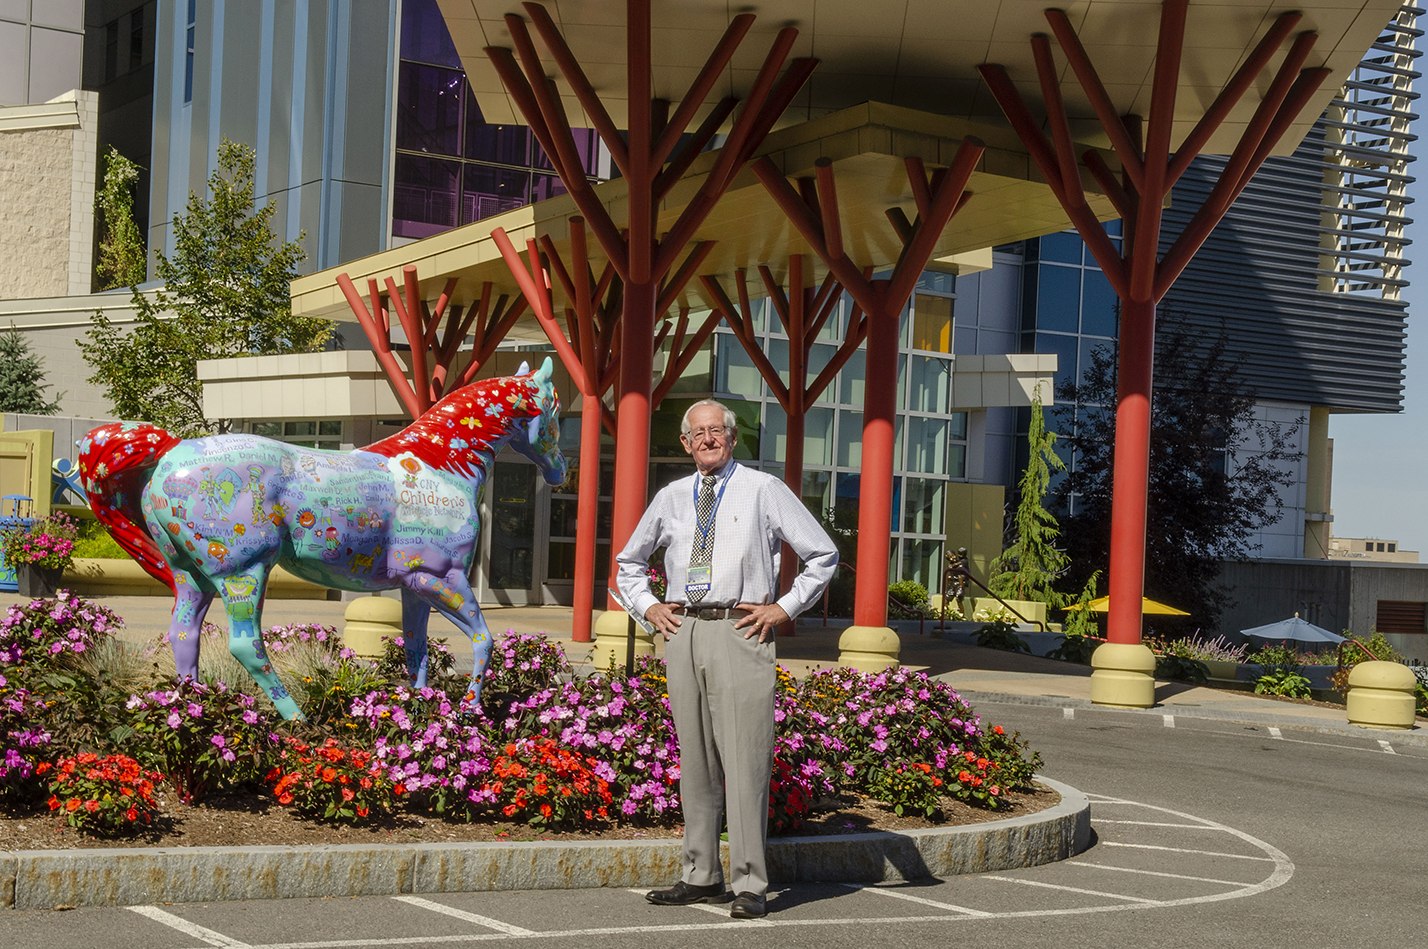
703, 551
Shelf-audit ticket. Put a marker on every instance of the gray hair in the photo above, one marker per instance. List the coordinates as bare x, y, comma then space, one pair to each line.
730, 423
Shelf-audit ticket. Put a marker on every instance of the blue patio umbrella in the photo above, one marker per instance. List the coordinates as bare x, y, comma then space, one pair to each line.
1296, 629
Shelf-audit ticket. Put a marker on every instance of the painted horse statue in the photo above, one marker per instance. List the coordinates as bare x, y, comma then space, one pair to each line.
213, 516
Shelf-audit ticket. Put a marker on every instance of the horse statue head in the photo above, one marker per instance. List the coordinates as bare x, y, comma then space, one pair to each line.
539, 439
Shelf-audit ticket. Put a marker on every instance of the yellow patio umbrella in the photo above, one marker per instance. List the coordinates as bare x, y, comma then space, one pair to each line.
1148, 607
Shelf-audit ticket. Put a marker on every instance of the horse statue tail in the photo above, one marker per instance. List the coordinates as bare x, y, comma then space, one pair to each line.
114, 462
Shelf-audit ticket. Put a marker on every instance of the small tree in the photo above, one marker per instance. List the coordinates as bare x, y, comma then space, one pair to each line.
121, 249
1031, 562
22, 377
225, 294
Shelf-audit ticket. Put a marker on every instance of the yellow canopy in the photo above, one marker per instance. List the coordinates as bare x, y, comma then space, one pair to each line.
1148, 607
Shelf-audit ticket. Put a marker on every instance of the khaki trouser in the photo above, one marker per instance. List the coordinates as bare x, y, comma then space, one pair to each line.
721, 694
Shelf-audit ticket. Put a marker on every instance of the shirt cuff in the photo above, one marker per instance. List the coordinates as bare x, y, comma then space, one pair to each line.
643, 602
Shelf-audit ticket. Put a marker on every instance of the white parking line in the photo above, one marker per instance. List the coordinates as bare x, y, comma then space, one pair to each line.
1155, 873
1068, 713
1169, 720
1386, 747
1150, 823
210, 937
1204, 853
1070, 889
1274, 732
455, 913
920, 900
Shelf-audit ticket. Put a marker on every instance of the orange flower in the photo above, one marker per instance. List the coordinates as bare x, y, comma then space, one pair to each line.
72, 805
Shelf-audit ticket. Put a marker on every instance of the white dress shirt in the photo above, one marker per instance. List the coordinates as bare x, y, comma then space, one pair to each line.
756, 514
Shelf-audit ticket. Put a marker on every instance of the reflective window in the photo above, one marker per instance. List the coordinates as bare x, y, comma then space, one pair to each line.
1058, 298
429, 102
425, 37
932, 323
1098, 305
926, 444
424, 195
488, 190
931, 389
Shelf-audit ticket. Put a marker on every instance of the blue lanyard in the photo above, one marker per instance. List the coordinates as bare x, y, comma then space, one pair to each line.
702, 536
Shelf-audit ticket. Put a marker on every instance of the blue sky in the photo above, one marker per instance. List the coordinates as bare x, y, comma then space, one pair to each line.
1380, 461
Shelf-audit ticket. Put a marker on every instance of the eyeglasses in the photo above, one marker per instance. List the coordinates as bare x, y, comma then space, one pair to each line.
717, 431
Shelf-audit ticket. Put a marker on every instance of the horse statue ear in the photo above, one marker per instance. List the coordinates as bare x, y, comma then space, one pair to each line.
525, 368
547, 369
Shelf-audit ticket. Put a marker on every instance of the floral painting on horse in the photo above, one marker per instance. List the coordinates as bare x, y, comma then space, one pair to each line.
213, 516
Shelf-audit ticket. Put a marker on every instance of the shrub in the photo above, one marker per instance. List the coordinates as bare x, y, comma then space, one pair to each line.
325, 683
522, 665
1075, 649
907, 787
330, 782
999, 633
975, 781
791, 797
204, 738
23, 742
441, 673
101, 796
1282, 681
908, 599
435, 761
47, 634
48, 542
1176, 659
1016, 763
536, 781
622, 719
856, 722
278, 640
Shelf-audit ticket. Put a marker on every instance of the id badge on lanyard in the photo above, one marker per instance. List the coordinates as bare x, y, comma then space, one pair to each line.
700, 579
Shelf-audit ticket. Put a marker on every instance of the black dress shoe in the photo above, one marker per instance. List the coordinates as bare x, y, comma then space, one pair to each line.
682, 894
748, 906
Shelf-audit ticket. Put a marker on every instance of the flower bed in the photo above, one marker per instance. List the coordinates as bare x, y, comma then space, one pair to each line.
547, 748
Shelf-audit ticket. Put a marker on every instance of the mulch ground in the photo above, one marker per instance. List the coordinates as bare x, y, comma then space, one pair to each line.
257, 820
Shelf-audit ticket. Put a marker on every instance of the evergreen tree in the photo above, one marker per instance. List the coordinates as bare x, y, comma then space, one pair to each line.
121, 249
1215, 475
225, 294
1031, 562
22, 385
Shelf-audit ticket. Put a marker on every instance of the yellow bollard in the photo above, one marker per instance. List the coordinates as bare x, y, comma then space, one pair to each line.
366, 620
1381, 695
1124, 675
869, 648
612, 640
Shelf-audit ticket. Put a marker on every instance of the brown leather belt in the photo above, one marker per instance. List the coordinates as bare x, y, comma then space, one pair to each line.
711, 612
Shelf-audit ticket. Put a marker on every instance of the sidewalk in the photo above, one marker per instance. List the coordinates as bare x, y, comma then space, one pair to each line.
988, 674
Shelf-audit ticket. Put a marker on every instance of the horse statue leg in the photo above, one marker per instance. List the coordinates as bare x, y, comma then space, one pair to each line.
190, 607
416, 614
451, 594
243, 599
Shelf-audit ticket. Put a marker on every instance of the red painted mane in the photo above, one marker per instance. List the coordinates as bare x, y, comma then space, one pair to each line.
455, 432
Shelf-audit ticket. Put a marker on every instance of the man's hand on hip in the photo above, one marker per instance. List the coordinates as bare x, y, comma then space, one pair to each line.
762, 621
663, 617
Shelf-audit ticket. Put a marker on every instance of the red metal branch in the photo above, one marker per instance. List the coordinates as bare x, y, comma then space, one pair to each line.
569, 67
699, 89
381, 347
1127, 151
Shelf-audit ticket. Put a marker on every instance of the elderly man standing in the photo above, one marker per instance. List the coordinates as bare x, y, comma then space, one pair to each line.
721, 530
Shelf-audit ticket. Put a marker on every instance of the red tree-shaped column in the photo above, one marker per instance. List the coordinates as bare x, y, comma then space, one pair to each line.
1149, 168
586, 346
802, 311
813, 211
651, 158
432, 333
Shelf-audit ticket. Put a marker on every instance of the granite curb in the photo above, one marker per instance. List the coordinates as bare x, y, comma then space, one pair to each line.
45, 879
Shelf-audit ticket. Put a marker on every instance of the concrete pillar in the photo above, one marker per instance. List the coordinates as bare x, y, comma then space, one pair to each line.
868, 648
1319, 464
